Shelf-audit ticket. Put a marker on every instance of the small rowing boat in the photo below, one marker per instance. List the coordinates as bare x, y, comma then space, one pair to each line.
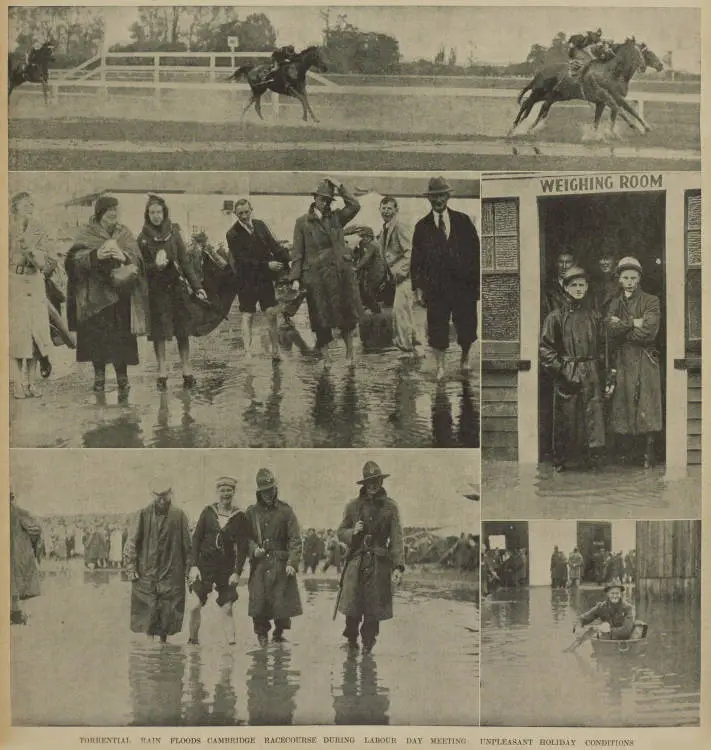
633, 646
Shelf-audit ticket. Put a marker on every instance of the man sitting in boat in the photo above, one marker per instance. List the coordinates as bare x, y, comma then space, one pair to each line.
616, 615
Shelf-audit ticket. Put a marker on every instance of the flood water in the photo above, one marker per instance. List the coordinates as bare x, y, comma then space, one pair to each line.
513, 490
387, 400
527, 680
76, 662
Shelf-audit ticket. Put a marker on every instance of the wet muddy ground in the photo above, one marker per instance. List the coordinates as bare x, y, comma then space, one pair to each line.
76, 662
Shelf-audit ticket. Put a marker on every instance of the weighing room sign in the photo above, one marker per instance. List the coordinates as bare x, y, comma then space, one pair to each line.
601, 183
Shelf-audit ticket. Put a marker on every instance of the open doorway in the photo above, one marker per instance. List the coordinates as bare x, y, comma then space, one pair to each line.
594, 540
586, 227
506, 542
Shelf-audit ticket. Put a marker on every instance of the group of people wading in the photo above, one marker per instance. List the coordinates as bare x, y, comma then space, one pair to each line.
598, 347
121, 287
160, 554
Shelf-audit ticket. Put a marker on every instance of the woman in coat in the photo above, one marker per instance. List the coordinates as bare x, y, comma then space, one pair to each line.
172, 278
323, 266
371, 528
29, 322
633, 324
107, 295
25, 534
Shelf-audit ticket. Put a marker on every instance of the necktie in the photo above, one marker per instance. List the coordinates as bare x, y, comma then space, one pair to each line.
442, 227
385, 235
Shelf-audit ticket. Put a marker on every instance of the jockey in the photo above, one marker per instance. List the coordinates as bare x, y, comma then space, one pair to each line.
281, 56
31, 58
584, 48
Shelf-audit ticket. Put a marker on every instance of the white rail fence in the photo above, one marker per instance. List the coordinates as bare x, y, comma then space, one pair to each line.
108, 74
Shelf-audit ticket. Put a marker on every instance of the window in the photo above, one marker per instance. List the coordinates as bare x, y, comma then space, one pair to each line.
501, 285
692, 241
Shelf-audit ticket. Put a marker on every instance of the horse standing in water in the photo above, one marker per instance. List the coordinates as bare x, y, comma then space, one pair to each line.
605, 84
35, 72
289, 80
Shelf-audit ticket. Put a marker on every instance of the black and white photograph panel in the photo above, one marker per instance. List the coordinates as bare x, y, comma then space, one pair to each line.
595, 623
208, 588
591, 367
344, 87
281, 309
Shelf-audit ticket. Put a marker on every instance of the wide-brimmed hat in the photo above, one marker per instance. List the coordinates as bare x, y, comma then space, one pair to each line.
160, 486
265, 480
438, 186
615, 583
325, 189
371, 470
574, 272
628, 263
230, 482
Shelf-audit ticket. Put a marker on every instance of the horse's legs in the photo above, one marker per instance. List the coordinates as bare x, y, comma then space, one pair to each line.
525, 110
599, 109
45, 91
258, 105
304, 104
252, 100
621, 102
308, 106
543, 112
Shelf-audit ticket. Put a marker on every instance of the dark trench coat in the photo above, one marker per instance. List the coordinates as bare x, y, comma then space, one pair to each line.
570, 351
367, 584
272, 593
324, 265
25, 532
158, 549
637, 401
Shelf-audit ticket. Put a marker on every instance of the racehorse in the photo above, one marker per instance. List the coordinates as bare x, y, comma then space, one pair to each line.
36, 72
289, 80
603, 83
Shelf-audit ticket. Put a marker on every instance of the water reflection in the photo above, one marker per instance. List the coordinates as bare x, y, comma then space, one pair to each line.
386, 401
657, 688
361, 698
272, 685
155, 675
520, 491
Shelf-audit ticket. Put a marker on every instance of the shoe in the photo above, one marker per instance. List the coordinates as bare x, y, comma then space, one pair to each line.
30, 392
193, 641
263, 640
45, 367
278, 637
18, 618
188, 381
162, 384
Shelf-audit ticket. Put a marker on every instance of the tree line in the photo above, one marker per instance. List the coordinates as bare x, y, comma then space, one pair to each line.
79, 34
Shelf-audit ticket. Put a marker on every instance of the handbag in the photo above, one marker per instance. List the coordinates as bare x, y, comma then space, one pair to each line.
124, 277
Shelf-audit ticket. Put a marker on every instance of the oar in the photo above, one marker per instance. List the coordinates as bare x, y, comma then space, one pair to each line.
586, 636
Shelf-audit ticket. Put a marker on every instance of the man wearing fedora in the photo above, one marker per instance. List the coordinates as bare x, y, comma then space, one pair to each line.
445, 274
322, 264
375, 560
615, 614
219, 551
256, 259
570, 353
274, 552
156, 558
633, 319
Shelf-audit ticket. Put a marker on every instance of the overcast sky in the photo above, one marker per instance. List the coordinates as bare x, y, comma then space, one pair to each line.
427, 485
490, 34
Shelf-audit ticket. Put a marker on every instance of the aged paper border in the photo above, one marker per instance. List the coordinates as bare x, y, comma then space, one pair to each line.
470, 737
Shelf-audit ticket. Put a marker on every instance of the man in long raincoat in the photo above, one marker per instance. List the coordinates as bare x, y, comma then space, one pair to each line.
633, 324
570, 352
274, 553
157, 556
25, 533
372, 529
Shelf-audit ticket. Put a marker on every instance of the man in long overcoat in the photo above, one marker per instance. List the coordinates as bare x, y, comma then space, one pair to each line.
25, 534
633, 324
274, 552
323, 265
445, 274
371, 528
157, 556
